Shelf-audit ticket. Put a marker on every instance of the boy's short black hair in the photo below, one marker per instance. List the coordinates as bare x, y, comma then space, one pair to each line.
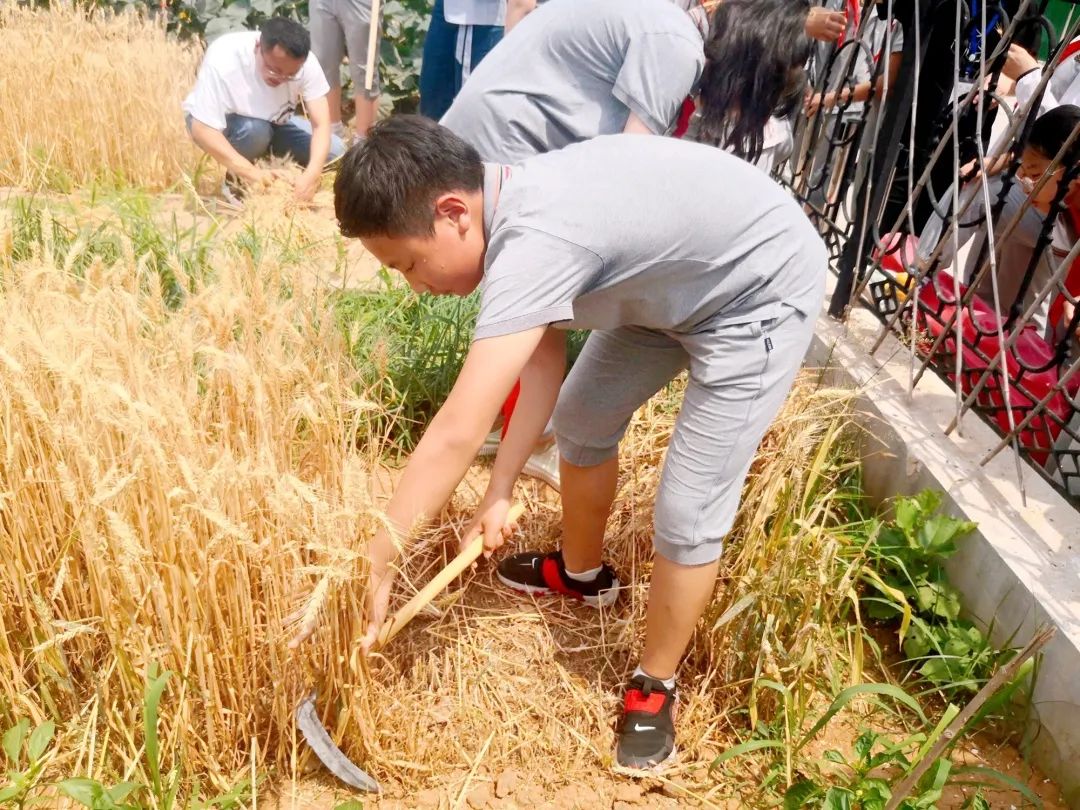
1050, 131
293, 38
388, 183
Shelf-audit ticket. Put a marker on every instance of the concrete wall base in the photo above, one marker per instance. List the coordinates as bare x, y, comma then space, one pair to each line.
1021, 567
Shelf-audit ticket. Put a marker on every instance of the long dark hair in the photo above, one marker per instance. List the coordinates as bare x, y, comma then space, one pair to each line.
755, 60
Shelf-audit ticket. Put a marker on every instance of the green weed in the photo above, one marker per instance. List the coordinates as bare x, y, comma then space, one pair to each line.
410, 349
906, 580
177, 257
29, 752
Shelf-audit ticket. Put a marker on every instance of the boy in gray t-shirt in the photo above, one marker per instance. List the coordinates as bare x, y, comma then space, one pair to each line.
678, 257
575, 69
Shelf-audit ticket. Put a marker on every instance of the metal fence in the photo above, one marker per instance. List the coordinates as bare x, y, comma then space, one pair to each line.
913, 158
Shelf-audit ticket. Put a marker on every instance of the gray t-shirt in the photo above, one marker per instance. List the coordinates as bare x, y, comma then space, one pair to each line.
627, 230
574, 69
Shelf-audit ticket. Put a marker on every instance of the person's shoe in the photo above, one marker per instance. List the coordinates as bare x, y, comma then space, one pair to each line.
232, 190
646, 734
544, 466
545, 574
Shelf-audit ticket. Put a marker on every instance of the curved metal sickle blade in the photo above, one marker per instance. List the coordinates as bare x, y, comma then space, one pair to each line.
307, 720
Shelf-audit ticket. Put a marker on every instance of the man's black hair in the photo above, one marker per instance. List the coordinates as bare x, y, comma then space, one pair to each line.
293, 38
1051, 130
388, 183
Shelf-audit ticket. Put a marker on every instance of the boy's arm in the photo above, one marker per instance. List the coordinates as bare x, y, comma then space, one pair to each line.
860, 92
442, 458
516, 11
635, 126
541, 380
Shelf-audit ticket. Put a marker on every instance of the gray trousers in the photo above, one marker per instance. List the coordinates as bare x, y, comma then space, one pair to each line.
739, 376
340, 26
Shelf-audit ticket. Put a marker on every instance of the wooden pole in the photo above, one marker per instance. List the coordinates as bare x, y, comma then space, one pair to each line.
373, 44
1001, 677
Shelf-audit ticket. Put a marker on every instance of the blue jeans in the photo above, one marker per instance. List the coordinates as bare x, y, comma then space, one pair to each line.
255, 138
440, 72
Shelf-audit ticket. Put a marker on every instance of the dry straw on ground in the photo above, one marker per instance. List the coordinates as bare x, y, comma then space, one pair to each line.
498, 682
92, 97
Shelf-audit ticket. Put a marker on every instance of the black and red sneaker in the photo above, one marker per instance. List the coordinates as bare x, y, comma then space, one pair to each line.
646, 734
541, 574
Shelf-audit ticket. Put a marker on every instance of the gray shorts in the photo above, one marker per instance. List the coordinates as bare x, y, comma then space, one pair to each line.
739, 376
338, 26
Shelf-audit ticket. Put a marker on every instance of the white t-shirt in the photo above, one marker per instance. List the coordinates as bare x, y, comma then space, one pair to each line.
1063, 87
230, 82
475, 12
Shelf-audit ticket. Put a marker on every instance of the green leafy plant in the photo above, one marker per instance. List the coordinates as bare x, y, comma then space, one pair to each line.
906, 580
26, 753
865, 777
405, 24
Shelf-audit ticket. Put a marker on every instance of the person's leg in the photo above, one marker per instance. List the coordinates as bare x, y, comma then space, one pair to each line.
587, 494
367, 110
739, 378
293, 139
248, 136
438, 70
617, 371
478, 40
357, 23
737, 385
328, 45
678, 595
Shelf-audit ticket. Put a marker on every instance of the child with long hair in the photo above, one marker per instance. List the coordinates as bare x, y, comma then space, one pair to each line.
576, 69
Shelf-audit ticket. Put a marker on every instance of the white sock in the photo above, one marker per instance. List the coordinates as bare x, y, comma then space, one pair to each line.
669, 683
584, 576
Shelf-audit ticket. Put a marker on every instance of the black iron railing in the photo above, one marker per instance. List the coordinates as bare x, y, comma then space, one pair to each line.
908, 158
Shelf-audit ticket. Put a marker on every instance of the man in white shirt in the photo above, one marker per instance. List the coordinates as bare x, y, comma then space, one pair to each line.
243, 106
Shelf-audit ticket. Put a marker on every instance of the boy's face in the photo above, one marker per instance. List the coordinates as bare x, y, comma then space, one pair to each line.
448, 262
1033, 164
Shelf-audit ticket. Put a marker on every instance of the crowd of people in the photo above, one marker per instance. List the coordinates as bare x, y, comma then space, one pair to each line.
529, 176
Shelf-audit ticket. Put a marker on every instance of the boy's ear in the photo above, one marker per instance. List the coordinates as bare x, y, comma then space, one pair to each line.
454, 208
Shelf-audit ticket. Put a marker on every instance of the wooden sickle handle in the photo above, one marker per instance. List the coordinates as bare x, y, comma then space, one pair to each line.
392, 626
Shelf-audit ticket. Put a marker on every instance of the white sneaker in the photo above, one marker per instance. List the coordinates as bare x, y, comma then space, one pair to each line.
544, 466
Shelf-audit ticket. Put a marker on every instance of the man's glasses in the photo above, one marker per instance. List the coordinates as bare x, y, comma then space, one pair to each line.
276, 74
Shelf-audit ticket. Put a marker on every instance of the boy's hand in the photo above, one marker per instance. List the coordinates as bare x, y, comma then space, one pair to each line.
491, 520
378, 604
824, 25
1018, 62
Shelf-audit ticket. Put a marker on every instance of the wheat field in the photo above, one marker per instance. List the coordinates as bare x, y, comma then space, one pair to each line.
90, 97
167, 478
